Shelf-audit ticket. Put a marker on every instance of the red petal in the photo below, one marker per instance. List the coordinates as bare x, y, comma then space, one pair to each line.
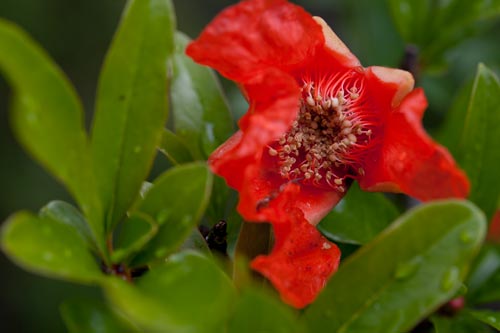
262, 185
301, 261
273, 106
254, 35
410, 161
494, 230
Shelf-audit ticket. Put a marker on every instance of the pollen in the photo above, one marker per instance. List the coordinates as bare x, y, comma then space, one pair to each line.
332, 132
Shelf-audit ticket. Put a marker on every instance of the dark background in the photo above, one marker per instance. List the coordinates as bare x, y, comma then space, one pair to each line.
77, 33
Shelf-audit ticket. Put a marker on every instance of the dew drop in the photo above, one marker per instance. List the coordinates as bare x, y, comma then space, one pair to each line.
466, 237
137, 149
159, 253
48, 256
163, 215
450, 278
406, 269
491, 319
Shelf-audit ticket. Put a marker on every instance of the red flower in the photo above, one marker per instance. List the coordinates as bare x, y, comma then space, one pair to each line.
317, 120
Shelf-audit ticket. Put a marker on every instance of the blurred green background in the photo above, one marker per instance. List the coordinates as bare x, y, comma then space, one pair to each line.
77, 33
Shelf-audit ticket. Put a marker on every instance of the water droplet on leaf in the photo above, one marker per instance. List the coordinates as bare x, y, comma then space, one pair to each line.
466, 237
450, 278
408, 268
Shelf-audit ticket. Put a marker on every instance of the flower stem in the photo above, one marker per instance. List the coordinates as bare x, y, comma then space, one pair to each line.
254, 239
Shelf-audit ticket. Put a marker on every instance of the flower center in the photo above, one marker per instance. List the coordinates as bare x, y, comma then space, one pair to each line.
326, 142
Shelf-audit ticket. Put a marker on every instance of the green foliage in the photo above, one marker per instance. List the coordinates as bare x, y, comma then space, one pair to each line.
131, 106
176, 205
359, 217
200, 113
257, 312
489, 317
478, 154
418, 22
390, 275
49, 247
463, 323
44, 102
84, 316
186, 294
135, 232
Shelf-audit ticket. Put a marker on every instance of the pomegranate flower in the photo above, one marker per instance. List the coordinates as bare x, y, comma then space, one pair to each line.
317, 120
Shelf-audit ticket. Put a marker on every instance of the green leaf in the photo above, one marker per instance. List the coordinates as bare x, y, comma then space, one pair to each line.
411, 18
462, 323
176, 201
200, 112
405, 273
359, 217
484, 281
174, 148
49, 248
479, 155
188, 293
85, 316
132, 103
457, 20
133, 235
451, 131
63, 212
47, 118
258, 312
489, 317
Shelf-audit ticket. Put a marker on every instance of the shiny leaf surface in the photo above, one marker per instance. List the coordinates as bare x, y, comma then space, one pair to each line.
405, 273
131, 106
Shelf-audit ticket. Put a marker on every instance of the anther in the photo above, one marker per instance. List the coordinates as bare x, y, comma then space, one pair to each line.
273, 152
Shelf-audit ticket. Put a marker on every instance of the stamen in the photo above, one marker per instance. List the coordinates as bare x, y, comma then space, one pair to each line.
330, 135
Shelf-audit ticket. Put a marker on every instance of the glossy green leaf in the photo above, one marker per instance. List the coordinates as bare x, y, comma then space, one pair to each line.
258, 312
188, 293
132, 103
47, 118
406, 272
200, 112
483, 283
479, 155
174, 148
49, 248
92, 316
359, 217
411, 18
456, 20
63, 212
133, 235
176, 201
489, 317
451, 131
462, 323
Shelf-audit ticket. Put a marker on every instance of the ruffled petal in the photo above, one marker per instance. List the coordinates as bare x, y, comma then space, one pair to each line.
336, 47
409, 161
254, 35
301, 261
389, 86
273, 97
